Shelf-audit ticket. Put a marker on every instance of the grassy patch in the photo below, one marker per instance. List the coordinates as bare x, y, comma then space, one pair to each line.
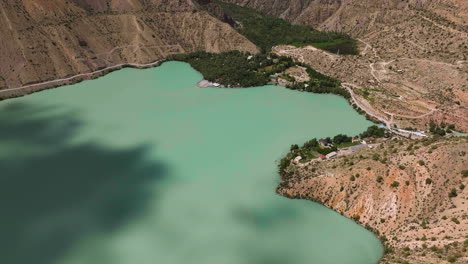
268, 31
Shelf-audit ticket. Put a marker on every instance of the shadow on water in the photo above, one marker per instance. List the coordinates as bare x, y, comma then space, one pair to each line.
56, 194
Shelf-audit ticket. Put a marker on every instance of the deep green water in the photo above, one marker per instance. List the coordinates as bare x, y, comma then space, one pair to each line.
141, 167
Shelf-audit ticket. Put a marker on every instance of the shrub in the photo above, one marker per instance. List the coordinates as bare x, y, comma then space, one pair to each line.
453, 193
428, 181
376, 157
401, 167
421, 162
464, 173
82, 43
395, 184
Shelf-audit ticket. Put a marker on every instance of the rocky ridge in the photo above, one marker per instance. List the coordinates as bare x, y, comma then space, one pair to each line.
46, 40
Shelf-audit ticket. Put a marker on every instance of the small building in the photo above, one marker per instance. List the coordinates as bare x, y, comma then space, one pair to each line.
368, 140
297, 159
331, 155
216, 84
323, 143
355, 139
323, 157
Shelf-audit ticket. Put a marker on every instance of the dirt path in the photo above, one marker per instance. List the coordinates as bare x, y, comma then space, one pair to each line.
449, 29
411, 117
382, 64
368, 46
366, 109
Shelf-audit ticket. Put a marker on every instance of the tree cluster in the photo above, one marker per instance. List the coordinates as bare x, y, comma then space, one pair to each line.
236, 68
373, 131
442, 129
268, 31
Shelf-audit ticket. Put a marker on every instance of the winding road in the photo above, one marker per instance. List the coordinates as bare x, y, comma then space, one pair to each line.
60, 81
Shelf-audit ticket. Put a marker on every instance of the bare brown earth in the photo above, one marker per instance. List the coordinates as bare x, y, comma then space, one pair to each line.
417, 219
44, 40
413, 65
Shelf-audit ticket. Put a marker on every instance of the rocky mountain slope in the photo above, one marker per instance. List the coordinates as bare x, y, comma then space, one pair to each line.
413, 66
411, 193
44, 40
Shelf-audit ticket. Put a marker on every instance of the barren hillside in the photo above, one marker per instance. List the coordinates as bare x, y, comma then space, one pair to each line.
44, 40
413, 65
411, 192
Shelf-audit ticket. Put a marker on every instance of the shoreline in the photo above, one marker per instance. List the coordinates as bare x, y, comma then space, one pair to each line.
299, 197
11, 93
306, 184
27, 89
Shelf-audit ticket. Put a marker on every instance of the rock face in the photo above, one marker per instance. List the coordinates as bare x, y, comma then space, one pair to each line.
403, 190
49, 39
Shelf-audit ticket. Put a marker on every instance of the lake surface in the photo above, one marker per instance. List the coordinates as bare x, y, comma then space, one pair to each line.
142, 167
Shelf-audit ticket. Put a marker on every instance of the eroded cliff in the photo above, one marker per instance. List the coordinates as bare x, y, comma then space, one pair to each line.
411, 193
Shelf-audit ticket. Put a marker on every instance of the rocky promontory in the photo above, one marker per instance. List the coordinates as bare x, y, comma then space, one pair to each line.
409, 193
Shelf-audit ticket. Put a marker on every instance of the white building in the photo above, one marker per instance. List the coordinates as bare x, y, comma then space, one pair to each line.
297, 159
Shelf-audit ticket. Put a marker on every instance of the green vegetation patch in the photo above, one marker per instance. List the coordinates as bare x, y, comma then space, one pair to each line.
241, 69
374, 131
236, 68
268, 31
319, 83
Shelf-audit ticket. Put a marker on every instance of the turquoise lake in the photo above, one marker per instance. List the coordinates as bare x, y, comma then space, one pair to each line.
143, 167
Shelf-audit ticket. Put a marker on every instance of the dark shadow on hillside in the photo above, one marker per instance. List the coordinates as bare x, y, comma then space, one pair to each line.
57, 194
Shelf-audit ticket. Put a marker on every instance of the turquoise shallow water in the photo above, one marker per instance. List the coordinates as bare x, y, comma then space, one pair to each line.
140, 166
